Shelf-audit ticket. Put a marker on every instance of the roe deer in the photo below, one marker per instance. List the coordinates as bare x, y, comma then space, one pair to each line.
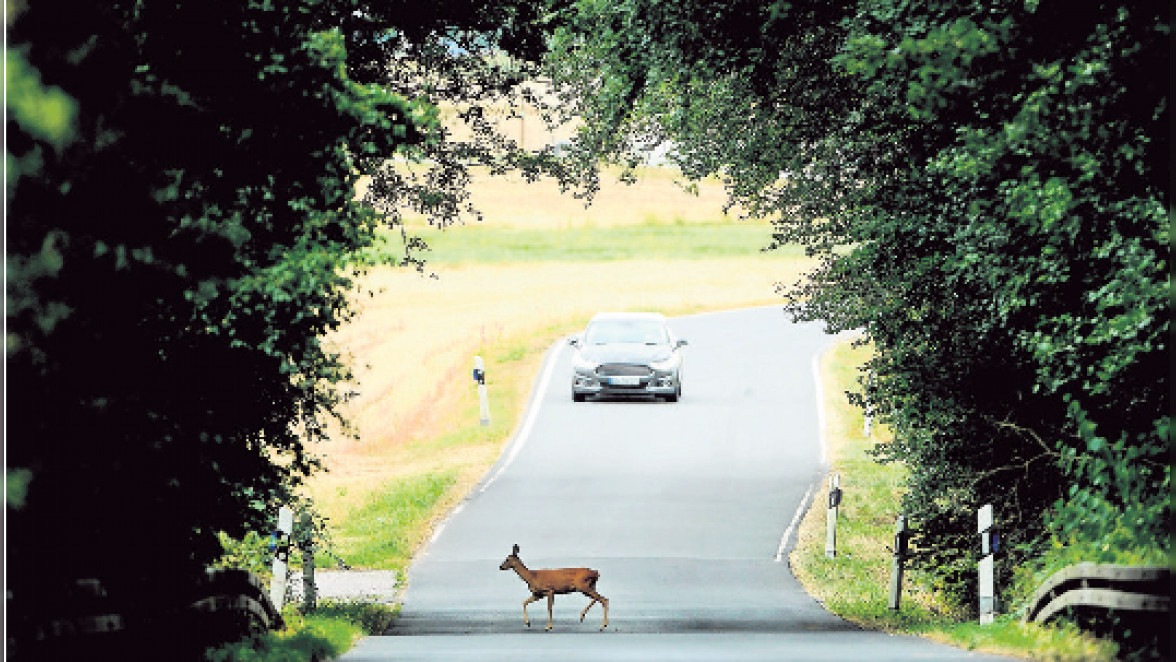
548, 583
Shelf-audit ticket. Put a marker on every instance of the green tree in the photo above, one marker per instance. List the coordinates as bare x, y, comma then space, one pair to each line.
182, 231
986, 184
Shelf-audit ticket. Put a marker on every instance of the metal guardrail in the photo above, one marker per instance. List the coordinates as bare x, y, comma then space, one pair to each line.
1118, 588
237, 595
90, 624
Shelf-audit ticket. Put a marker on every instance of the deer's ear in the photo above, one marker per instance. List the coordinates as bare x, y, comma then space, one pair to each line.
515, 550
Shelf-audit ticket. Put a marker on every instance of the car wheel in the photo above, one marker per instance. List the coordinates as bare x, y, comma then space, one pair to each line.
675, 396
578, 397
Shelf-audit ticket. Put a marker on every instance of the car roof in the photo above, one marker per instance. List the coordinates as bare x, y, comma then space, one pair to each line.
628, 316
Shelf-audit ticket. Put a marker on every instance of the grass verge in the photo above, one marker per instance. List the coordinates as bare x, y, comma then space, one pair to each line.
653, 239
326, 634
855, 584
380, 533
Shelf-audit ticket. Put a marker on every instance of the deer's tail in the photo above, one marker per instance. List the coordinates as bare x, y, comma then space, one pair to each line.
591, 576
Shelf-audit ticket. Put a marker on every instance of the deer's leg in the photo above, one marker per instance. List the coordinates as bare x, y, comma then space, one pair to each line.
533, 598
550, 603
585, 612
596, 597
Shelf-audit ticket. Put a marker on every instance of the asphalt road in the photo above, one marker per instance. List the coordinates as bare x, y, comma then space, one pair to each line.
685, 510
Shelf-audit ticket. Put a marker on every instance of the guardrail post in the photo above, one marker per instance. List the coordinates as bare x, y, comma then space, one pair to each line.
900, 548
989, 545
831, 516
480, 380
280, 546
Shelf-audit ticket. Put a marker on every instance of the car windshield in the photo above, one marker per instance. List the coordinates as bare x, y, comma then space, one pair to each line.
647, 332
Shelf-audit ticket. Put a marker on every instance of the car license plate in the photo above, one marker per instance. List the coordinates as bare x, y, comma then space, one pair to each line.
625, 381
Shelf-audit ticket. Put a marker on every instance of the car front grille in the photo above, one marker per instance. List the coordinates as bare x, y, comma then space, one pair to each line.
623, 370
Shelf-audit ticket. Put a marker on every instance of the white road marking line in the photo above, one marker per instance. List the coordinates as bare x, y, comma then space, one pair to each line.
443, 524
532, 414
818, 389
804, 503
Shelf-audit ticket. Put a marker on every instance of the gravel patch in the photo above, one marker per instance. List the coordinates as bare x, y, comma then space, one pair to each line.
367, 585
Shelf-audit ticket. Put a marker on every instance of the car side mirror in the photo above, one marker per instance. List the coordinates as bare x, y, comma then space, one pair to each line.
682, 343
574, 341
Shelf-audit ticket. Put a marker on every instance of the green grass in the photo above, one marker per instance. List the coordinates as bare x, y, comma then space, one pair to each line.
305, 638
481, 244
855, 584
1009, 636
326, 634
371, 618
377, 535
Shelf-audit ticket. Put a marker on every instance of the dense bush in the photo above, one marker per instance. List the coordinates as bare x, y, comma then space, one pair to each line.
182, 231
987, 184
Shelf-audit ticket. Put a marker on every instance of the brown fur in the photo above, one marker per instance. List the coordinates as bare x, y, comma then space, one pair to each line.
549, 583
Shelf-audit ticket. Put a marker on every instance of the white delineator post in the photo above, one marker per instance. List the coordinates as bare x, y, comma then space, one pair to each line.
831, 516
281, 556
900, 549
483, 401
987, 570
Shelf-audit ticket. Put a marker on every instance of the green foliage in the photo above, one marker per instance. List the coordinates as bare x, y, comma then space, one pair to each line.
855, 584
16, 486
986, 183
305, 639
251, 553
46, 112
182, 230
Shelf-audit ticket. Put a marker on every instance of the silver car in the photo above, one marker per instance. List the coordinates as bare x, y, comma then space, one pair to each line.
627, 354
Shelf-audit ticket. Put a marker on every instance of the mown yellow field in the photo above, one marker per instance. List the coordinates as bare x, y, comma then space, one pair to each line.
657, 195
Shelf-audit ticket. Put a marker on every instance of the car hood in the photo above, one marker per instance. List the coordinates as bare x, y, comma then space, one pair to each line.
625, 353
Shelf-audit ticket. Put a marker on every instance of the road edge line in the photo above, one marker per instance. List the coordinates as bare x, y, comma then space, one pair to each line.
822, 436
533, 406
800, 512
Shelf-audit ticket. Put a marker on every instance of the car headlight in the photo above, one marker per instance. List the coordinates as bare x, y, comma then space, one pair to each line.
582, 364
667, 364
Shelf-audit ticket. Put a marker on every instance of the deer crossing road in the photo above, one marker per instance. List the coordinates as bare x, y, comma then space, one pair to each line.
684, 509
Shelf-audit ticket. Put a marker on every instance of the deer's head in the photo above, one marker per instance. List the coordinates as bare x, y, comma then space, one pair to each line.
511, 561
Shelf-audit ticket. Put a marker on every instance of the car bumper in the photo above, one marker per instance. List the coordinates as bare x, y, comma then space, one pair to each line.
660, 383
